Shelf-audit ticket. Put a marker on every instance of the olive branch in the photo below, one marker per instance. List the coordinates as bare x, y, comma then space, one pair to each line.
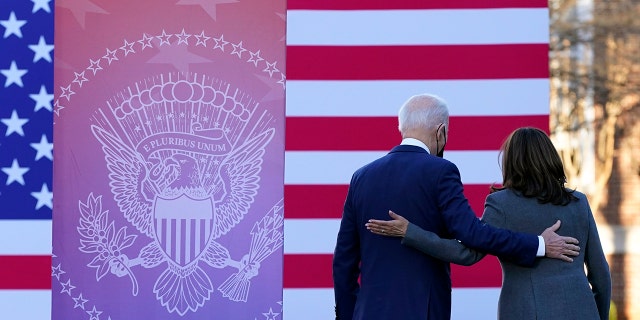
98, 236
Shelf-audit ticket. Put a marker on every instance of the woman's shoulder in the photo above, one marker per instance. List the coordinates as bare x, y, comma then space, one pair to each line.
504, 198
582, 200
508, 193
503, 194
581, 196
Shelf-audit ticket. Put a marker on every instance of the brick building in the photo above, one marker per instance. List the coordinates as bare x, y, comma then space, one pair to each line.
619, 217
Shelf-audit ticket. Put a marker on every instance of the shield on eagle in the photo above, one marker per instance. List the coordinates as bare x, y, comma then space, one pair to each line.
183, 226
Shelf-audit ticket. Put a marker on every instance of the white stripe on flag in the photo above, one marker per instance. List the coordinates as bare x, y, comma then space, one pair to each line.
474, 303
298, 232
336, 167
413, 27
308, 304
384, 98
25, 237
318, 304
25, 304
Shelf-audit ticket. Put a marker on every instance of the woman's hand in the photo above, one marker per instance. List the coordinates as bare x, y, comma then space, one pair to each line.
393, 228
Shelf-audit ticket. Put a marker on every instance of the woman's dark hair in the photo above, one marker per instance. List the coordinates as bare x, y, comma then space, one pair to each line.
532, 166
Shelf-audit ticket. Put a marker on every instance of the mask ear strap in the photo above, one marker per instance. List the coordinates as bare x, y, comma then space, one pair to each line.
440, 153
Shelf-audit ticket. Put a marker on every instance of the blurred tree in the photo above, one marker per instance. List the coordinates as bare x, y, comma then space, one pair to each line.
595, 79
595, 108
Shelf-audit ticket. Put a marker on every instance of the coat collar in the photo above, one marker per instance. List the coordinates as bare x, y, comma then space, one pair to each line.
415, 142
408, 148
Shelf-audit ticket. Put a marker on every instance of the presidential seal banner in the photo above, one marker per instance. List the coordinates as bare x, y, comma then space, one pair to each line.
169, 172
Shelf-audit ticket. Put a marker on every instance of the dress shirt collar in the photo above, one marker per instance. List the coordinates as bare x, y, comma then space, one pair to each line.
414, 142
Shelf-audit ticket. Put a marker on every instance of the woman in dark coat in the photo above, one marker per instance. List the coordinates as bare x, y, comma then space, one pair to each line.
533, 197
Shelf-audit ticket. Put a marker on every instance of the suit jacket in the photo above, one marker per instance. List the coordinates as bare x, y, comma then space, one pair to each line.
552, 289
398, 282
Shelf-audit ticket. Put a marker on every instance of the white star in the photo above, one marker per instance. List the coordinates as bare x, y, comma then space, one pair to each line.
67, 92
220, 43
282, 80
164, 38
67, 287
271, 315
41, 4
14, 124
42, 50
13, 74
271, 69
94, 314
80, 78
42, 99
79, 302
57, 107
15, 172
45, 198
255, 57
13, 25
57, 271
182, 37
202, 39
44, 148
127, 47
145, 41
238, 49
111, 55
95, 66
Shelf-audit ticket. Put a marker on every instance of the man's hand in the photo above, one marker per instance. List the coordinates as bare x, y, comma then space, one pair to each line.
558, 247
394, 228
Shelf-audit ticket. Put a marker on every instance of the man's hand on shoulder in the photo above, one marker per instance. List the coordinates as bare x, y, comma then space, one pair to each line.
558, 247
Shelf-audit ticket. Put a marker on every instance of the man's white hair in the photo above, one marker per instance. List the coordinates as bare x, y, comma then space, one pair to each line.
423, 111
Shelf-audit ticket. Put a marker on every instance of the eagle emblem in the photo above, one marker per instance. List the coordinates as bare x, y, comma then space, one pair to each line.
184, 175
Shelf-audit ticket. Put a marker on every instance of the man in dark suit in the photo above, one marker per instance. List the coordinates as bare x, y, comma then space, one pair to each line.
398, 282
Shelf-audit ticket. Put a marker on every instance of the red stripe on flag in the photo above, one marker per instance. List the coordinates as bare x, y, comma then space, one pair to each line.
476, 194
314, 271
381, 133
308, 271
327, 201
314, 201
511, 61
484, 274
25, 272
412, 4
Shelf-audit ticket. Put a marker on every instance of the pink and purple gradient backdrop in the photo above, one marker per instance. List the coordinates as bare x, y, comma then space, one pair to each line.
101, 54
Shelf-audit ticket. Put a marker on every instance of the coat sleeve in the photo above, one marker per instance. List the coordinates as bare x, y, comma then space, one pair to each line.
449, 250
346, 260
597, 268
463, 224
493, 214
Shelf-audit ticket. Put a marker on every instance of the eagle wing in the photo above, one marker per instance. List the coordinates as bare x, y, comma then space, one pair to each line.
242, 167
127, 173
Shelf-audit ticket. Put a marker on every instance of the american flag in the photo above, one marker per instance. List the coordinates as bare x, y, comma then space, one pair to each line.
26, 154
350, 65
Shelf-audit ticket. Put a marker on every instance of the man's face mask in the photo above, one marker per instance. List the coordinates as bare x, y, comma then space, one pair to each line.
440, 152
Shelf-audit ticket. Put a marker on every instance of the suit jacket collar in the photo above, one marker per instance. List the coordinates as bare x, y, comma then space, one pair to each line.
415, 142
408, 148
